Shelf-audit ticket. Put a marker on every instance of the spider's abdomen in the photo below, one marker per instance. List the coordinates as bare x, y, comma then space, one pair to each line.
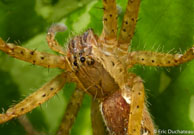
115, 111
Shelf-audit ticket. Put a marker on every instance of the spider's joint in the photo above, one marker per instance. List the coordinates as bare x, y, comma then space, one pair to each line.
122, 50
107, 53
178, 56
2, 116
127, 97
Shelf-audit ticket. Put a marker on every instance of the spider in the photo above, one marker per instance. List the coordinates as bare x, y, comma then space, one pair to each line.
99, 67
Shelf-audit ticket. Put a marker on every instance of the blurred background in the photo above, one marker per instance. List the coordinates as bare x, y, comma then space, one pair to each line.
163, 26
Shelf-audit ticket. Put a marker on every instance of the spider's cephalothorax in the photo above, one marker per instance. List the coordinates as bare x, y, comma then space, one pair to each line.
88, 68
99, 66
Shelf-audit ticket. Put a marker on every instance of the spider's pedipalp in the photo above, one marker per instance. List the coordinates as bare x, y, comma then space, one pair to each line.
52, 43
35, 57
128, 26
71, 112
160, 59
37, 98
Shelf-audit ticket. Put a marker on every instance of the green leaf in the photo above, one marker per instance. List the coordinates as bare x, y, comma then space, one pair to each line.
162, 24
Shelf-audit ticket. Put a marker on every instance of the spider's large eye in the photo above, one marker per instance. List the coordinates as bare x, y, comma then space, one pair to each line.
82, 59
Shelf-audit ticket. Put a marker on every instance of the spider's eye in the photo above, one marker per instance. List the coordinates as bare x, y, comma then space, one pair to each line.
75, 63
82, 59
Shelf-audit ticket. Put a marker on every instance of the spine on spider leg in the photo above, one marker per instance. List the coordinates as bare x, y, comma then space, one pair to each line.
33, 56
35, 99
160, 59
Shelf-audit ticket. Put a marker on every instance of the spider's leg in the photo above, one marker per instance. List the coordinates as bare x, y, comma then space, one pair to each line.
52, 43
33, 56
160, 59
98, 125
147, 123
24, 121
109, 32
71, 112
136, 105
36, 98
128, 26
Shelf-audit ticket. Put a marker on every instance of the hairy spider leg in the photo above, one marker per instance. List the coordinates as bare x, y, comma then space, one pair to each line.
98, 126
147, 123
128, 26
37, 98
32, 56
52, 43
148, 58
25, 122
71, 112
136, 105
108, 37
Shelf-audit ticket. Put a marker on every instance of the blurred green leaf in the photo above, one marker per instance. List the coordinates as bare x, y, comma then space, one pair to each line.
19, 21
162, 24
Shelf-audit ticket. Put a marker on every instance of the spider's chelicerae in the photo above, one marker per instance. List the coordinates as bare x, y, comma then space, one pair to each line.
99, 66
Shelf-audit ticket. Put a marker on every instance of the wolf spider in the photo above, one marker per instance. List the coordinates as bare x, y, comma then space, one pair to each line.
99, 65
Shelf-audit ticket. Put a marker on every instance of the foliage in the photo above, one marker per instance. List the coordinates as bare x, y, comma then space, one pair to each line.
162, 23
